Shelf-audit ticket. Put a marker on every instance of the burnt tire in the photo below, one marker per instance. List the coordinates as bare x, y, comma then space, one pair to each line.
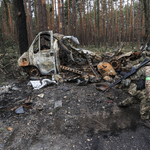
34, 72
115, 63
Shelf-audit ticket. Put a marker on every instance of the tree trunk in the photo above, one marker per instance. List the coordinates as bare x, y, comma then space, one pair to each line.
133, 25
91, 24
44, 15
94, 24
40, 16
49, 21
130, 23
21, 25
81, 29
63, 17
146, 11
27, 20
84, 23
36, 17
60, 15
109, 24
7, 27
105, 23
30, 23
87, 34
143, 24
2, 49
10, 20
68, 17
120, 22
98, 38
73, 17
116, 26
139, 24
127, 18
57, 23
53, 22
102, 22
112, 25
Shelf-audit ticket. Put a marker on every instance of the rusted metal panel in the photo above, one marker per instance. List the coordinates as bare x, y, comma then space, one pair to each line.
24, 60
105, 69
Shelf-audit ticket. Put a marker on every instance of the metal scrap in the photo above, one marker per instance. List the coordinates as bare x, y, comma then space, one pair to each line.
37, 84
19, 110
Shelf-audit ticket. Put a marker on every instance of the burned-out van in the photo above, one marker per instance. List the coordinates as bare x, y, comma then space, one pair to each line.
41, 57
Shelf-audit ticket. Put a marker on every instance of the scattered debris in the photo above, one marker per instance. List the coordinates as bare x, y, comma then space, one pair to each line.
41, 95
65, 89
28, 101
40, 108
37, 84
19, 110
58, 78
16, 88
5, 89
111, 96
101, 87
58, 104
84, 82
99, 100
9, 128
51, 113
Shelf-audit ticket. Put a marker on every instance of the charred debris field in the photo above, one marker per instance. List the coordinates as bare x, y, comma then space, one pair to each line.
67, 116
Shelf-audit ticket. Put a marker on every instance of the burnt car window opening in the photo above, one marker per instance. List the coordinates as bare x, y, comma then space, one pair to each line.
45, 42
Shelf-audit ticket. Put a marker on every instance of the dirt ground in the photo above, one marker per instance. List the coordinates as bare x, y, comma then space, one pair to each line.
87, 120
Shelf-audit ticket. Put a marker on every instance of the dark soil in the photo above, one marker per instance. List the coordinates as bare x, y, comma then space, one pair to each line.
88, 119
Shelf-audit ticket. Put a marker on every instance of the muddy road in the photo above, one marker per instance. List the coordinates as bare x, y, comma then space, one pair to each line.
67, 117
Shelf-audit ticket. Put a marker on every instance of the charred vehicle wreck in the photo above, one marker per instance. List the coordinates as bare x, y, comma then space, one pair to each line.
58, 54
51, 54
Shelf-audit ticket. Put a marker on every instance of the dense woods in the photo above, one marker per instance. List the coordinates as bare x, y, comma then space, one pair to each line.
93, 22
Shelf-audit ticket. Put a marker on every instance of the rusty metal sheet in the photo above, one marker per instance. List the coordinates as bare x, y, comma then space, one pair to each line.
125, 55
101, 87
24, 60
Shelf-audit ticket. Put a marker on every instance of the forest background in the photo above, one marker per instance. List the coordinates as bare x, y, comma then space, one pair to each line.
96, 23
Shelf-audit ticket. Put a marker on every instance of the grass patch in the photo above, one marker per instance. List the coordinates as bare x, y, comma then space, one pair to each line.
126, 48
8, 63
2, 130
